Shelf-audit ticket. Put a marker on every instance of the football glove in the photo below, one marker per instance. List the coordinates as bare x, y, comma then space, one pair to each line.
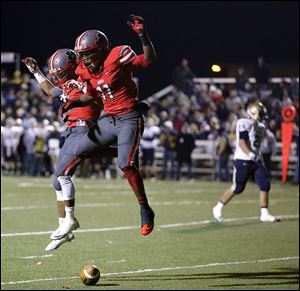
63, 98
31, 64
57, 92
137, 24
72, 84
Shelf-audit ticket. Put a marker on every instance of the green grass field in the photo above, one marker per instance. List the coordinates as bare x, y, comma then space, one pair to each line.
187, 250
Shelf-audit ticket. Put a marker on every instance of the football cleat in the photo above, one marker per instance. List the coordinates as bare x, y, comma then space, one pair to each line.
217, 214
147, 217
68, 225
55, 244
269, 218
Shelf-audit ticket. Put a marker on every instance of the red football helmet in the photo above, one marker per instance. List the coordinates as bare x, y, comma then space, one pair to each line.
92, 47
62, 66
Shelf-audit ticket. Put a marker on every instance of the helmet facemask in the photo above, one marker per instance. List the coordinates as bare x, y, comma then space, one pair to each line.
62, 75
93, 59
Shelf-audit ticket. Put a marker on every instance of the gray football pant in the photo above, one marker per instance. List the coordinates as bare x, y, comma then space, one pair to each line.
123, 130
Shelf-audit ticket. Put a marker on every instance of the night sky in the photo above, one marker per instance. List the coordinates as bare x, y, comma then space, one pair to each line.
205, 32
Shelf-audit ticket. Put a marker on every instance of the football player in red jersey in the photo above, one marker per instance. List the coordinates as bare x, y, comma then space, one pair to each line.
109, 71
62, 65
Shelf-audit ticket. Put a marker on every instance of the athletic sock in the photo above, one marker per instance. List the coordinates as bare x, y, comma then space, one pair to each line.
69, 212
264, 211
135, 180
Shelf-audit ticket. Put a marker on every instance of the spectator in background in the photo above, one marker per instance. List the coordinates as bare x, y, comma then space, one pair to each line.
17, 80
39, 154
167, 139
183, 77
149, 141
294, 88
185, 144
268, 148
243, 86
180, 118
53, 144
10, 137
262, 74
241, 79
28, 140
10, 98
223, 151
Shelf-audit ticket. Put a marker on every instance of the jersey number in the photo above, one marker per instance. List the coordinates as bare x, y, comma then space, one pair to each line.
105, 92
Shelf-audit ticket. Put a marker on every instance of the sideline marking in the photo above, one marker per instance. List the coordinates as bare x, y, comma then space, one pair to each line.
156, 270
159, 226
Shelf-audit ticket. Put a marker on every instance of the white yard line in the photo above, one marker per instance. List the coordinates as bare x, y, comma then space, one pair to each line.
181, 224
37, 257
157, 270
161, 203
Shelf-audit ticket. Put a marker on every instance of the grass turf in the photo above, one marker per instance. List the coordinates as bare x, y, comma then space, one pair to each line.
186, 251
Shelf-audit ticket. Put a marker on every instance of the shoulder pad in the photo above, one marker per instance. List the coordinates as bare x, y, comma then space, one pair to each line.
123, 53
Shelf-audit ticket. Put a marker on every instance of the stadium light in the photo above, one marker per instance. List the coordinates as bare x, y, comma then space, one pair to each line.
216, 68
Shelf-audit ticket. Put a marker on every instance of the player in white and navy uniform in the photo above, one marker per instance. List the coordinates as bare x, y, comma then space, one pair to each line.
248, 161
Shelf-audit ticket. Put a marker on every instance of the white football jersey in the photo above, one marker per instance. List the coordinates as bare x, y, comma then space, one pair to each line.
255, 132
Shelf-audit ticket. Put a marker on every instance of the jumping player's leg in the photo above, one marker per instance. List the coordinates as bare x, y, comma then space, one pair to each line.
54, 244
128, 145
67, 163
59, 200
66, 166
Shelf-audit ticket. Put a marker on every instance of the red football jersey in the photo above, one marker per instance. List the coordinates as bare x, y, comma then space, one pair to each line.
91, 111
114, 83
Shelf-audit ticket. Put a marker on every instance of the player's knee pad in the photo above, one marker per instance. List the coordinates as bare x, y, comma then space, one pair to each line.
56, 184
67, 187
58, 189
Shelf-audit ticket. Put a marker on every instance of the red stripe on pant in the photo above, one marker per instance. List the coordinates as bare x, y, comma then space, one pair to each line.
134, 148
71, 167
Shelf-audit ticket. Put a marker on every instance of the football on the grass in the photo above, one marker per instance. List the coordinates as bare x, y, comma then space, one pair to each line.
90, 274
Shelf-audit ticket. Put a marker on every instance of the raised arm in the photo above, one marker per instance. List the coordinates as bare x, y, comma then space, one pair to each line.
137, 24
33, 68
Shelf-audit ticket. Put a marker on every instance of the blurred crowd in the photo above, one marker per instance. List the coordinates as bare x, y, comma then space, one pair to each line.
31, 125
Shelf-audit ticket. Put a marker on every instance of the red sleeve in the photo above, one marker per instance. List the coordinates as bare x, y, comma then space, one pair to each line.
140, 62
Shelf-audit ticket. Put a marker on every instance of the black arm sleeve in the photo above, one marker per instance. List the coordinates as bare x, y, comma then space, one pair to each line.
244, 135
